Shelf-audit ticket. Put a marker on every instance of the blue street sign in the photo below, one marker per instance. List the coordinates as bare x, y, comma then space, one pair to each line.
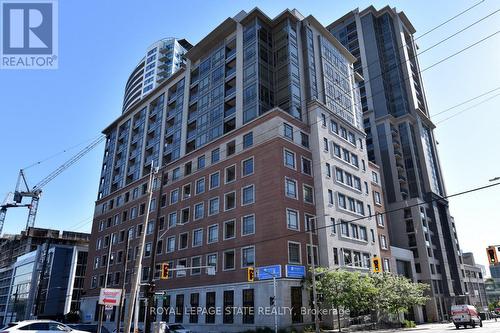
295, 272
268, 272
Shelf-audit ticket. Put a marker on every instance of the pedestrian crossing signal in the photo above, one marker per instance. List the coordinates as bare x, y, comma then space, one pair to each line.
250, 274
164, 271
376, 265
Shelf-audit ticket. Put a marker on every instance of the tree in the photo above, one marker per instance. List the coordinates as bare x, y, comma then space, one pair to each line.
346, 290
380, 292
396, 294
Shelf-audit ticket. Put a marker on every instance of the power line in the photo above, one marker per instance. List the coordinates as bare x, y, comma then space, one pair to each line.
60, 152
450, 19
466, 109
382, 213
465, 102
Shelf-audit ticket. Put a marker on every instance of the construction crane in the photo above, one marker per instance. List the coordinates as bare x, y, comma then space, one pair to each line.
15, 199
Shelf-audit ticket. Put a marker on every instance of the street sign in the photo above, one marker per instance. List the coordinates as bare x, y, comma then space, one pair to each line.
110, 296
295, 271
268, 272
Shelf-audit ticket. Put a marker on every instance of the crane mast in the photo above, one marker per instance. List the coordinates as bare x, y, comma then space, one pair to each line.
15, 199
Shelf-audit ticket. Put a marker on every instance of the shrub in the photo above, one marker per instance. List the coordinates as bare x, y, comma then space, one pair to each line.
409, 324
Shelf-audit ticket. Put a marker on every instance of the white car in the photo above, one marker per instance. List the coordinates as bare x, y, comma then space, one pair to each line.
35, 326
465, 315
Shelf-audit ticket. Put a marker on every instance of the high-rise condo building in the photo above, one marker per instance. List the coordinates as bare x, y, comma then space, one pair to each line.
162, 59
258, 137
401, 141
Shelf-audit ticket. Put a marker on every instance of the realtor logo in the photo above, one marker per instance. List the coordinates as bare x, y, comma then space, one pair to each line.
29, 34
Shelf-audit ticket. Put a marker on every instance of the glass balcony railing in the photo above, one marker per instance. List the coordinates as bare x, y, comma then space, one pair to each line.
230, 91
230, 71
230, 53
229, 112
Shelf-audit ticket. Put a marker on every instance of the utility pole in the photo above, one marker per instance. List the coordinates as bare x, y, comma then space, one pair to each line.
101, 310
122, 298
152, 286
134, 289
313, 268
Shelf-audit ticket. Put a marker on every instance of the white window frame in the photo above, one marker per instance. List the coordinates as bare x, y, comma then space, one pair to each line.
241, 255
224, 260
288, 252
224, 229
216, 225
242, 225
242, 195
243, 168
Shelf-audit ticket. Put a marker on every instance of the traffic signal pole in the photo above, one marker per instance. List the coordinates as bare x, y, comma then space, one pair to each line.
151, 288
134, 289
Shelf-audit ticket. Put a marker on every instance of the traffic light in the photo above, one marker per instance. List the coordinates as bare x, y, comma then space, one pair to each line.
250, 274
492, 255
376, 265
164, 271
271, 300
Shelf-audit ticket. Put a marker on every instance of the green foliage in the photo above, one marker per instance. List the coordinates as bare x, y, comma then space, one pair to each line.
343, 289
381, 292
409, 324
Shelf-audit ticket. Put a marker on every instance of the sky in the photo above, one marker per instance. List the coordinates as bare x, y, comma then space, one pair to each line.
44, 112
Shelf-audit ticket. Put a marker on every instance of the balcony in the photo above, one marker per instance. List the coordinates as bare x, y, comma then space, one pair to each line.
230, 71
229, 111
402, 179
192, 116
229, 92
230, 54
191, 135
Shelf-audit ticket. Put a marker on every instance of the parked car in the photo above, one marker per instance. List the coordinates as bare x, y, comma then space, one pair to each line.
176, 328
92, 328
42, 326
465, 315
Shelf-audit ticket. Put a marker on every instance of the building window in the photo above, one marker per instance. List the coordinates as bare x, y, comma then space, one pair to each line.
248, 140
288, 131
172, 219
214, 180
183, 241
176, 173
323, 120
294, 253
383, 242
210, 306
325, 144
174, 196
308, 194
213, 206
296, 304
380, 220
228, 317
197, 237
306, 166
330, 197
387, 265
248, 225
230, 148
179, 308
248, 306
200, 186
194, 302
229, 256
291, 188
375, 177
378, 200
248, 195
292, 219
195, 262
247, 167
230, 173
229, 229
199, 211
213, 233
247, 256
185, 215
229, 201
328, 170
201, 162
289, 159
304, 140
315, 254
215, 156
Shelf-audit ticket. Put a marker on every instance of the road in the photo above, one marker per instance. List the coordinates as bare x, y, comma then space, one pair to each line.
489, 326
